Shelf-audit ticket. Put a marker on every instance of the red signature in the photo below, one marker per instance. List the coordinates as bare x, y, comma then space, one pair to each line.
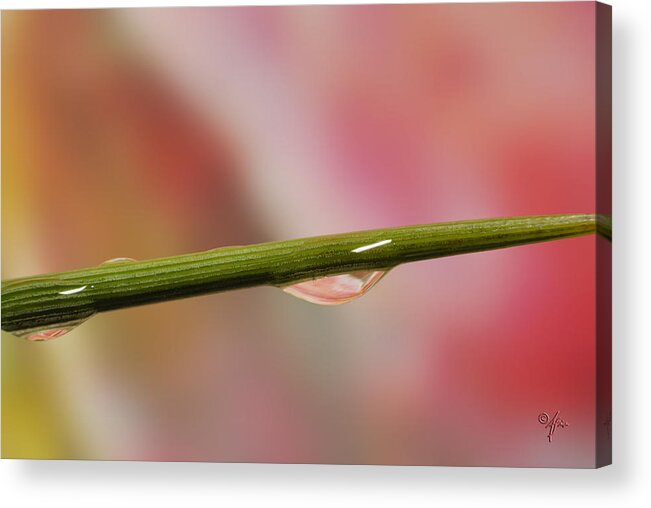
552, 423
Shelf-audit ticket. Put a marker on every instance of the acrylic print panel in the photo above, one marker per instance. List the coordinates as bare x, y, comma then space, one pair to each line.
147, 133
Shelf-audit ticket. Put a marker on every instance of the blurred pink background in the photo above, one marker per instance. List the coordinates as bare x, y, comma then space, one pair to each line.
153, 132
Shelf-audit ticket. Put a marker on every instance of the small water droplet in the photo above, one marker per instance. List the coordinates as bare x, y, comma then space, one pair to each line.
117, 260
335, 289
49, 333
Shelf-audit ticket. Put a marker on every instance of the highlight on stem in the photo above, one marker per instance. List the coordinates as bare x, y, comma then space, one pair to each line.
326, 270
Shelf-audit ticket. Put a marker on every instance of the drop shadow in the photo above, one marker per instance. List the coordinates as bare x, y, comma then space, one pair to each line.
623, 296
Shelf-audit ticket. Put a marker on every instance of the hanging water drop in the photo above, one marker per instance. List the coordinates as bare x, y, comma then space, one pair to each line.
117, 260
50, 332
335, 289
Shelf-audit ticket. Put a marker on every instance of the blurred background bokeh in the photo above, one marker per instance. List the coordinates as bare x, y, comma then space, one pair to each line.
152, 132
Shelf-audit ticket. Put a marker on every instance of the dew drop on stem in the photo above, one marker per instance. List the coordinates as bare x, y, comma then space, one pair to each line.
117, 260
50, 332
335, 289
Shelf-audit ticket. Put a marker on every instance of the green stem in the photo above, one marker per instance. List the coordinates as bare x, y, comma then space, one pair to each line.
48, 300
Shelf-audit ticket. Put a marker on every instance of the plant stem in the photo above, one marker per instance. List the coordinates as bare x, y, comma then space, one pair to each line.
47, 300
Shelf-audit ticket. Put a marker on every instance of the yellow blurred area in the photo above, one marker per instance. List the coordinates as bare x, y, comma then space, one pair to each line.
33, 424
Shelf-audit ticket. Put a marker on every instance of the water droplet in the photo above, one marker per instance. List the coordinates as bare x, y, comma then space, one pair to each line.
335, 289
117, 260
49, 333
